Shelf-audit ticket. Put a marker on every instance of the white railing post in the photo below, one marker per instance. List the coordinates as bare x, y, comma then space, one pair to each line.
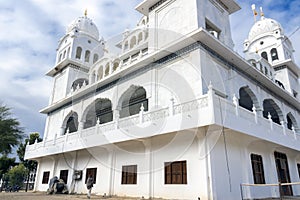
142, 114
294, 132
97, 125
67, 135
270, 120
171, 106
80, 128
35, 143
283, 127
255, 113
236, 104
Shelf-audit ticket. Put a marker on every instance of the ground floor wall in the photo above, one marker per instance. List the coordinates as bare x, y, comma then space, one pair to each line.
206, 163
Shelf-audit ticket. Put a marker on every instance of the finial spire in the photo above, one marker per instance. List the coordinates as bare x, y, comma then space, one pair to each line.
254, 11
261, 12
85, 12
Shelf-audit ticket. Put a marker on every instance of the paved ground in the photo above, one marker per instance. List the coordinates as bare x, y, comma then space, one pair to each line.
42, 196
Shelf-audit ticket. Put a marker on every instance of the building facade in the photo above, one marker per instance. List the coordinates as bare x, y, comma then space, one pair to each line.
176, 113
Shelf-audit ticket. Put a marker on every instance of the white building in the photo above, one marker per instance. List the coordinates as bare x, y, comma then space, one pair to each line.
177, 113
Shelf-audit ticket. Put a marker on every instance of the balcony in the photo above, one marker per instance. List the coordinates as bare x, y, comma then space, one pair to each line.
209, 109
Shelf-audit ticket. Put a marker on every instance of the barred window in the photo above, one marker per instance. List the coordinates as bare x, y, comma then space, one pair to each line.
129, 174
257, 169
45, 179
175, 172
91, 172
64, 175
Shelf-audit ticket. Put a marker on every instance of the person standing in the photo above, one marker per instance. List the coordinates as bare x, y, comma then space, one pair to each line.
89, 185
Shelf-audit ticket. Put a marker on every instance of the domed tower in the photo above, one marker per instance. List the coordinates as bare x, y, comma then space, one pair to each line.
268, 41
77, 51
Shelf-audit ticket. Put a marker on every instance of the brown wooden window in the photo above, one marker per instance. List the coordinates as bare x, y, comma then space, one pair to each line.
129, 174
298, 167
257, 169
175, 172
45, 177
91, 172
64, 175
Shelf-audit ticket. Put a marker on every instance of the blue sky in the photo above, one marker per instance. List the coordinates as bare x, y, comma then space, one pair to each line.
30, 30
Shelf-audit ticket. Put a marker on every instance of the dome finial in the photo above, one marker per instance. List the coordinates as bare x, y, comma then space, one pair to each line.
261, 12
85, 12
254, 11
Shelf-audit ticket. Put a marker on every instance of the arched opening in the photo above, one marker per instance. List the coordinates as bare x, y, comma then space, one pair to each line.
79, 83
247, 98
271, 107
116, 65
95, 59
274, 54
68, 52
106, 69
132, 42
140, 38
132, 100
60, 57
87, 56
78, 52
264, 55
100, 73
291, 121
64, 56
126, 46
100, 109
71, 123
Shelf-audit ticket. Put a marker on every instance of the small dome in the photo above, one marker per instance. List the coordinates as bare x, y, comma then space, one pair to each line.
264, 26
84, 25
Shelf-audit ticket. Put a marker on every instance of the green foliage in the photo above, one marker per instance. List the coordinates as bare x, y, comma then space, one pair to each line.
10, 131
5, 164
16, 175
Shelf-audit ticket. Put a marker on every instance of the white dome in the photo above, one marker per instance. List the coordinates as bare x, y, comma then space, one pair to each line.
263, 27
84, 25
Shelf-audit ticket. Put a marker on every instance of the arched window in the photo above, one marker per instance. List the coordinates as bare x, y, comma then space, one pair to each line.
132, 101
64, 56
79, 83
116, 65
71, 123
95, 59
68, 52
87, 56
100, 73
274, 54
291, 121
271, 107
132, 42
78, 52
264, 55
247, 98
140, 37
60, 57
100, 109
107, 69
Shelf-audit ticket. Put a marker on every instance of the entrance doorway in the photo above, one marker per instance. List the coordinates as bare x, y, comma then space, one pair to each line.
283, 173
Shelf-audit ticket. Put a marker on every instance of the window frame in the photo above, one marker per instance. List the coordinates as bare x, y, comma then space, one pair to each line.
93, 172
63, 174
172, 175
257, 164
46, 176
129, 175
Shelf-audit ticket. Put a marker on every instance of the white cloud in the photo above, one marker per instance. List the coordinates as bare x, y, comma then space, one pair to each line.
30, 30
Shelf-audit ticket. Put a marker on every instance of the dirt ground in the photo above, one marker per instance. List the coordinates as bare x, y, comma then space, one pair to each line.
42, 196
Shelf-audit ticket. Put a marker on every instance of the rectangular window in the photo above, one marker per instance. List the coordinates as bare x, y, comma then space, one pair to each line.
64, 175
129, 174
91, 172
45, 177
212, 29
257, 169
298, 167
175, 172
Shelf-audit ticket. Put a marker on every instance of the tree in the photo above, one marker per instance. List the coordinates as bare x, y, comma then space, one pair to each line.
10, 131
31, 165
5, 164
16, 175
